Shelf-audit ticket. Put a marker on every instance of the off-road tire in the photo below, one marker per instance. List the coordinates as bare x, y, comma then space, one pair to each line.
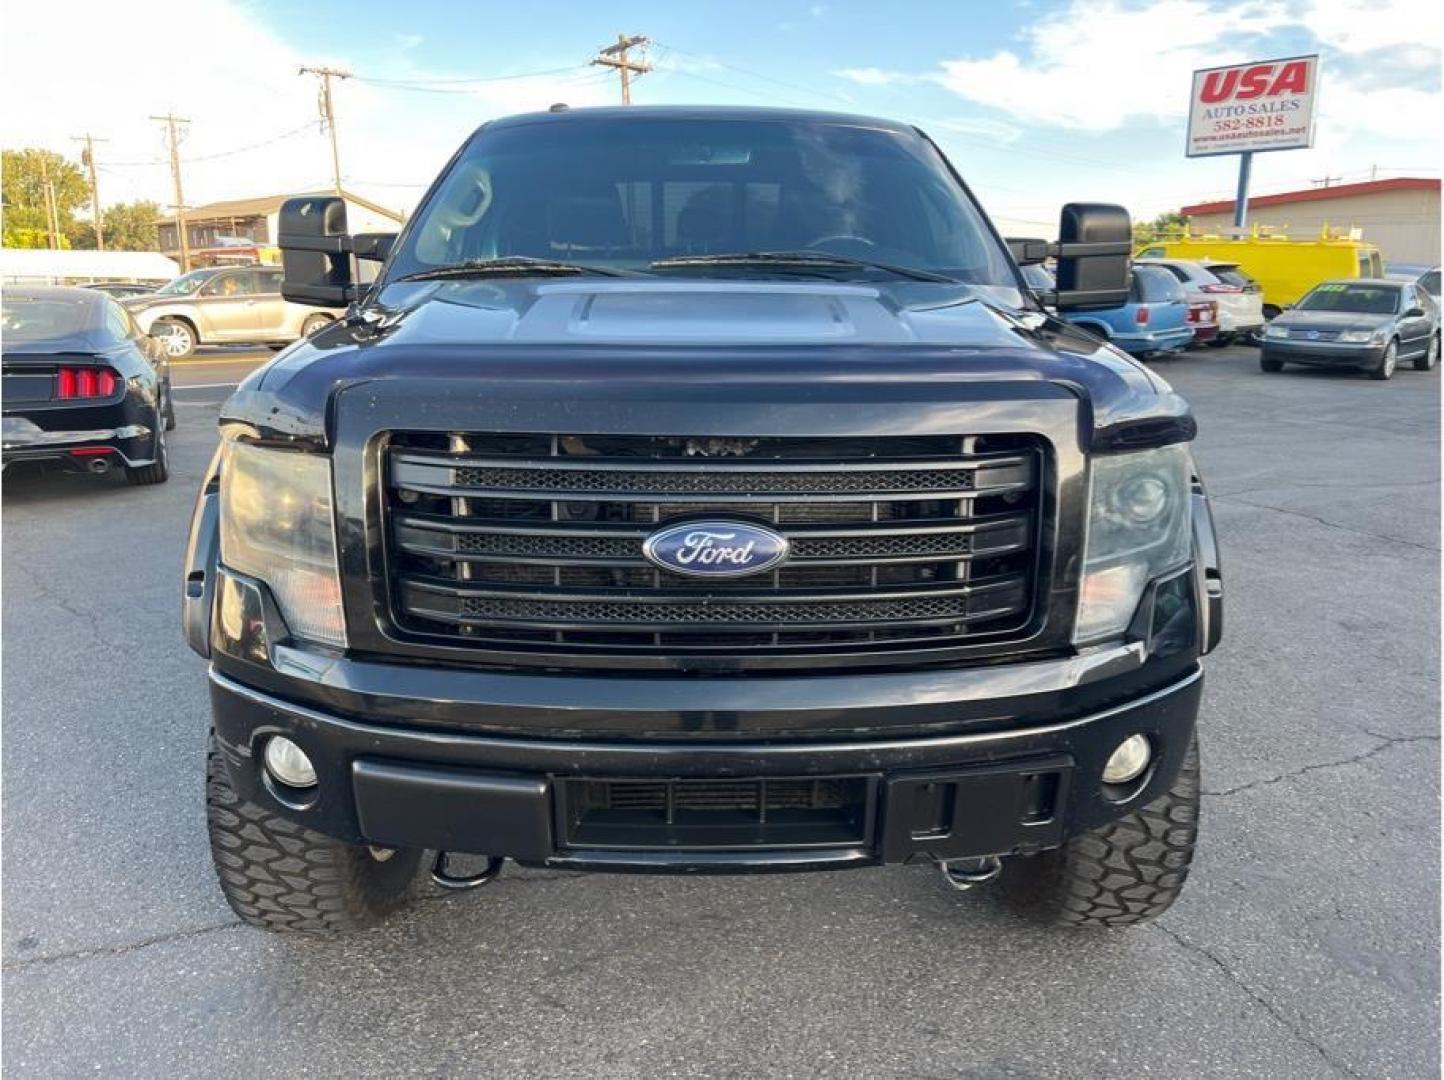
1270, 365
1388, 362
1430, 357
1126, 872
281, 876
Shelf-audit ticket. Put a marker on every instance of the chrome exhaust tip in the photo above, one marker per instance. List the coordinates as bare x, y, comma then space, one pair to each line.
99, 466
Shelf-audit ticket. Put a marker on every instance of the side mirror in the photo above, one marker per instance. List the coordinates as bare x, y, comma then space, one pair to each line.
1414, 313
316, 252
1094, 243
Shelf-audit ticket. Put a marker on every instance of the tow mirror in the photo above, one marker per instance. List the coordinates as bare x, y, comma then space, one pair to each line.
1094, 244
316, 252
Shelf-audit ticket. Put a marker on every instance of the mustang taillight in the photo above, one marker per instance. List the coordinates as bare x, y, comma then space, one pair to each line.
72, 383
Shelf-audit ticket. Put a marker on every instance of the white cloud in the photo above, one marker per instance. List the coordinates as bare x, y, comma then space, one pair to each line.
1356, 26
1095, 67
871, 76
392, 141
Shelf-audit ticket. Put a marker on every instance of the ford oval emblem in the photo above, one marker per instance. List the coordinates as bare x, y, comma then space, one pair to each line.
716, 548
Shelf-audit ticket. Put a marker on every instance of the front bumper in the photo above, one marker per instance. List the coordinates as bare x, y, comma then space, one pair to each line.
1323, 353
1005, 790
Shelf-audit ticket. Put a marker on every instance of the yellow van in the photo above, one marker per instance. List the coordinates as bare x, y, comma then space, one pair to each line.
1285, 269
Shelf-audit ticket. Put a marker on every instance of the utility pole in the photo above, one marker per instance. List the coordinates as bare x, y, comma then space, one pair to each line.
52, 223
87, 158
328, 112
171, 120
615, 56
1324, 181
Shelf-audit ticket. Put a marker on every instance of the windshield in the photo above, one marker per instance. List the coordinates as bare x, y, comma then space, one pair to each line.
185, 284
1365, 299
623, 193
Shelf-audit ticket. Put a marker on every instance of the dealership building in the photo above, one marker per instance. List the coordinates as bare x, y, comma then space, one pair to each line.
1399, 216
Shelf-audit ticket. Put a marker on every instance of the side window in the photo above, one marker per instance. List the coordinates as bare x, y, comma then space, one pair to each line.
1177, 271
117, 323
267, 281
231, 283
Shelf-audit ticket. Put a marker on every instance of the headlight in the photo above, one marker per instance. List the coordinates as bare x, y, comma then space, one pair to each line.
1358, 336
276, 525
1274, 330
1138, 529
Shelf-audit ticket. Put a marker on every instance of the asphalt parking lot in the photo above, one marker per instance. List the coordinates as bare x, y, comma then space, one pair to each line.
1306, 944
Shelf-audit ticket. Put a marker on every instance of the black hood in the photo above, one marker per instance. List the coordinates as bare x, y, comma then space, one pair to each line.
690, 340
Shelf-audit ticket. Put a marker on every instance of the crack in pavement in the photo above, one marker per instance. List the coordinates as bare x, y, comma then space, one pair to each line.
49, 592
1325, 522
1321, 765
96, 951
1257, 998
1300, 485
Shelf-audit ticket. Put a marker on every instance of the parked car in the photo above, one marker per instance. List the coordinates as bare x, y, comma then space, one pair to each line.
711, 497
121, 290
84, 387
1427, 277
1368, 325
1238, 298
1284, 269
1153, 321
1203, 321
226, 305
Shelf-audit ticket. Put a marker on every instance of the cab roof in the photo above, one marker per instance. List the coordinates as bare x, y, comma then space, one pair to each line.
644, 113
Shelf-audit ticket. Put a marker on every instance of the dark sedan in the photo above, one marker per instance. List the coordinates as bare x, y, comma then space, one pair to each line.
1365, 324
83, 387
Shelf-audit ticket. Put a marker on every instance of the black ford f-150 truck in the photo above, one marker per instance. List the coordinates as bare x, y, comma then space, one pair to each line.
701, 490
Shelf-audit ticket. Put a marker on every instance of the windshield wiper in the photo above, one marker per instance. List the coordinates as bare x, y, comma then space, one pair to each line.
510, 265
805, 259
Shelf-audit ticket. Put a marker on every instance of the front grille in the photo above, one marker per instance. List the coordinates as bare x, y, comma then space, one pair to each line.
682, 815
1313, 335
533, 544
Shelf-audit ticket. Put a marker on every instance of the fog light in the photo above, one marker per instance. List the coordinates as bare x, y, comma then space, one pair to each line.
288, 763
1128, 761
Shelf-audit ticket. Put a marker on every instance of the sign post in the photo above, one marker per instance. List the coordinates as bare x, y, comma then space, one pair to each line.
1246, 109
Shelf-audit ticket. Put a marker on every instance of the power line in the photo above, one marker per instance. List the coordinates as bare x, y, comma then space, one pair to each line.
422, 84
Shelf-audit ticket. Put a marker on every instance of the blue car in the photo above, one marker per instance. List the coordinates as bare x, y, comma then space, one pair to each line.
1155, 319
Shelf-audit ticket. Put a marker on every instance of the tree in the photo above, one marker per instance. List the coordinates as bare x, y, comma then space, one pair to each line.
24, 174
128, 227
1169, 223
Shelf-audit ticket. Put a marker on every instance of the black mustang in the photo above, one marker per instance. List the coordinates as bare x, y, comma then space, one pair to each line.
84, 388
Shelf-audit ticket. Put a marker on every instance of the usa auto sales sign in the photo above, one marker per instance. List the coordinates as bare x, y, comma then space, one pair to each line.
1263, 105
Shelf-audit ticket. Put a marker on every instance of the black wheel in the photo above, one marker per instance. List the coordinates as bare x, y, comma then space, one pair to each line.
158, 471
315, 323
1219, 341
1388, 362
177, 335
1127, 872
168, 408
1430, 357
281, 876
1269, 364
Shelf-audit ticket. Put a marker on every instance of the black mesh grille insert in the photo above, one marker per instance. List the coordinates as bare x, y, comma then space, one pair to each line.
533, 544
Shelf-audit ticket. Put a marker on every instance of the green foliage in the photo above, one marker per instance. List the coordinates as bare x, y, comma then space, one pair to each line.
128, 227
22, 175
1170, 223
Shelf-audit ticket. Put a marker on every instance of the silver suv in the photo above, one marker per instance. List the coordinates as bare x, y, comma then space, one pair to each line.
224, 305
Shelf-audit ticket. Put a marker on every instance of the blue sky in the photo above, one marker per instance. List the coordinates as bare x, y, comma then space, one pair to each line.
1036, 102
